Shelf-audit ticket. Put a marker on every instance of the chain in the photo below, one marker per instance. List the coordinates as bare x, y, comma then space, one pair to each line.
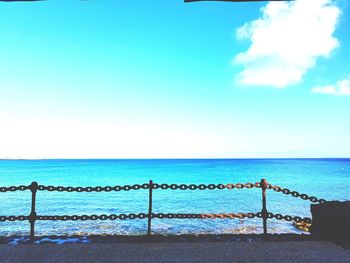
204, 216
164, 187
228, 216
130, 216
14, 188
296, 194
13, 218
144, 215
116, 188
286, 217
93, 217
146, 186
159, 216
204, 186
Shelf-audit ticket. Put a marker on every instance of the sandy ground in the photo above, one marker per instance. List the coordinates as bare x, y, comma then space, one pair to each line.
269, 251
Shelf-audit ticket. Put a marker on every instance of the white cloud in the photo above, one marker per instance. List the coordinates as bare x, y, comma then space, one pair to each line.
286, 41
341, 87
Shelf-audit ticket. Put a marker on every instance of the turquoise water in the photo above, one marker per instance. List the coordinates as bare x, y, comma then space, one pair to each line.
323, 178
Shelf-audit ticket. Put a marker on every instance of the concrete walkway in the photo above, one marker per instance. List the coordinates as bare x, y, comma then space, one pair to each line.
244, 251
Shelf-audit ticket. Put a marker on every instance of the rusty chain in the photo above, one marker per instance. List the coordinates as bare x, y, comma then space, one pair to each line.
286, 191
203, 216
229, 216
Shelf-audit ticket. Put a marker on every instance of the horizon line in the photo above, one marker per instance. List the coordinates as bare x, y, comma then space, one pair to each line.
221, 158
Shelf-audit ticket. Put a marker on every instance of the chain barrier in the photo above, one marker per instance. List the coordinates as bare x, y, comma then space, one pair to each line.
286, 191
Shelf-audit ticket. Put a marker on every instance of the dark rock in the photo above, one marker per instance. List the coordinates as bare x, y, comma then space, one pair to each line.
331, 221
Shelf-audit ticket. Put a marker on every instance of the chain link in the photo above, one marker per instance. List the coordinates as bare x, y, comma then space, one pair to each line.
13, 218
286, 217
93, 217
14, 188
204, 186
228, 216
129, 216
201, 216
286, 191
144, 215
116, 188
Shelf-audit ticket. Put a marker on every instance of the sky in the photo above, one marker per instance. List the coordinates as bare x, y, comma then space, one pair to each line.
165, 79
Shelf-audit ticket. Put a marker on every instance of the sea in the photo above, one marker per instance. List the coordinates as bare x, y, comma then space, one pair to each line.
324, 178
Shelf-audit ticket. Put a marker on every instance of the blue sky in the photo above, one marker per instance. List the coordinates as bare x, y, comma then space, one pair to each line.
164, 79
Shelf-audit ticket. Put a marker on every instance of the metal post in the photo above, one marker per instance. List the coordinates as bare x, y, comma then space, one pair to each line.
32, 216
263, 185
150, 208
